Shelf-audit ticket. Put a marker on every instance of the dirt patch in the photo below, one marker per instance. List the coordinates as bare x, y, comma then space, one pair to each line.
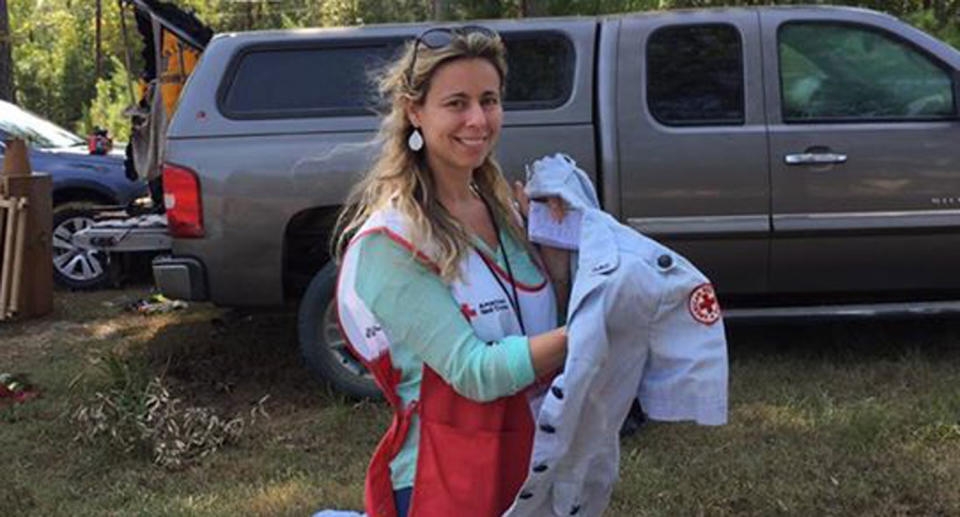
78, 317
232, 360
40, 338
224, 359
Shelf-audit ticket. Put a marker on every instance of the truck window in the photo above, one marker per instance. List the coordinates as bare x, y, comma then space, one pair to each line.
540, 70
833, 72
303, 82
335, 80
695, 75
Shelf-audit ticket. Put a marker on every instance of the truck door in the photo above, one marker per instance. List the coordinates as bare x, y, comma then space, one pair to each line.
691, 141
865, 155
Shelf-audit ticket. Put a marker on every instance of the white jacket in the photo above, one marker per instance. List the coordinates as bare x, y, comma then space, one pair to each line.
642, 322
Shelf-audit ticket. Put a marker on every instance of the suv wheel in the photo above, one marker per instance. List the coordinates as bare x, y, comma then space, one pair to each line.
323, 347
73, 266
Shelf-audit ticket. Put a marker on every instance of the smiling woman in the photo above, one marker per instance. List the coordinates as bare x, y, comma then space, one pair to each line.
440, 294
461, 118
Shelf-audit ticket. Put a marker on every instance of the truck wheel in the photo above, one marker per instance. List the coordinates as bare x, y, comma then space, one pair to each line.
323, 347
73, 266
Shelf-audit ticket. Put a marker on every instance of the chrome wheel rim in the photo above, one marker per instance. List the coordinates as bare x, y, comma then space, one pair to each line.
72, 261
338, 345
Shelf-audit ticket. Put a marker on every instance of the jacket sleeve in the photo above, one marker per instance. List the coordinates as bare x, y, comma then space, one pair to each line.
685, 376
417, 310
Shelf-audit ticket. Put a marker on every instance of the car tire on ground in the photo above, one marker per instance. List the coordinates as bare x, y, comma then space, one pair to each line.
323, 347
75, 267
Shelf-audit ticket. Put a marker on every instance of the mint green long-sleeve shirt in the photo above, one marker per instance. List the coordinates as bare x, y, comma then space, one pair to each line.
424, 324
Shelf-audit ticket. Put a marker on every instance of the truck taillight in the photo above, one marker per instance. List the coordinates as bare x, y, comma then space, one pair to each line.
181, 197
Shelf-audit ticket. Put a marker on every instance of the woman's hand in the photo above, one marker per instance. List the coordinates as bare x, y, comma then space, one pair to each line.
523, 201
556, 260
548, 352
558, 208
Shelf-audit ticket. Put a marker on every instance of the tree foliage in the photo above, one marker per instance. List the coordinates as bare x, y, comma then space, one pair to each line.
54, 57
106, 110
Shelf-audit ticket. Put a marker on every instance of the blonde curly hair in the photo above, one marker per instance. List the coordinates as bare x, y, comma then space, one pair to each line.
400, 177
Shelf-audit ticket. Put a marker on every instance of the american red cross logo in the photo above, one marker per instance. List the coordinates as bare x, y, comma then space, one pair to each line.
467, 311
703, 304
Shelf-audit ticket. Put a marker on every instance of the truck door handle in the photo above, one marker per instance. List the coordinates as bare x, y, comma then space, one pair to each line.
814, 158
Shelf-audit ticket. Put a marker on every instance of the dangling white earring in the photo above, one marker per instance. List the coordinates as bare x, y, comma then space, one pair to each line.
415, 142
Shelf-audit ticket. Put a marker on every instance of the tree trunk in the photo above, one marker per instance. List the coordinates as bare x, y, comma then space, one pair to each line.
531, 8
441, 9
6, 56
99, 40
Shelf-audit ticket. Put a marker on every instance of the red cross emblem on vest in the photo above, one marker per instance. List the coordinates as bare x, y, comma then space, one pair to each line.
703, 304
467, 311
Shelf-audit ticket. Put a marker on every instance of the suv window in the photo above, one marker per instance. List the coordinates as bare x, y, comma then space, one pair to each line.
840, 72
335, 80
38, 132
695, 75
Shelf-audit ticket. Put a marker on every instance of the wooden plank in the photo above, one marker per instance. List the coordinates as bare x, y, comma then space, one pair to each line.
8, 245
16, 161
19, 254
36, 277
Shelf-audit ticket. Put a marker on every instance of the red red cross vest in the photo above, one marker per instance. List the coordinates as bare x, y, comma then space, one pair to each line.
472, 457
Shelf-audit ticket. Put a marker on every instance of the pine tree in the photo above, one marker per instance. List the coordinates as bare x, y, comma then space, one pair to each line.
6, 56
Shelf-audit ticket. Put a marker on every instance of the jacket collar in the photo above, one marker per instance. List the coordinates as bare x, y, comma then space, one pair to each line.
598, 257
599, 254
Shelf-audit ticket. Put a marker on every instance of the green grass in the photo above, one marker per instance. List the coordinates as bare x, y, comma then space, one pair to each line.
844, 419
840, 419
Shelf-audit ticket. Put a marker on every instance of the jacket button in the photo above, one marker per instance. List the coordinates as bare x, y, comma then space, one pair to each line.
540, 468
557, 392
525, 495
664, 261
547, 428
575, 509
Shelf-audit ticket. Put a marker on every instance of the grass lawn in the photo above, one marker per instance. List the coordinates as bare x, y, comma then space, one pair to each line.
828, 419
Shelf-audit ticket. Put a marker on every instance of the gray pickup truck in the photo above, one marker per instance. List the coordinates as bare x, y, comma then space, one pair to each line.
806, 158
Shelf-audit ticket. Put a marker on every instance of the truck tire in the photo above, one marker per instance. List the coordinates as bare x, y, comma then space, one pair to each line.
323, 347
74, 267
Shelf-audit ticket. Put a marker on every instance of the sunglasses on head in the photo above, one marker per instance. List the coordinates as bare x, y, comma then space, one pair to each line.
439, 37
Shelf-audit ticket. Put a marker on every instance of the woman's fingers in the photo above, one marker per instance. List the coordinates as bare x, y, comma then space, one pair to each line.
523, 201
558, 208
